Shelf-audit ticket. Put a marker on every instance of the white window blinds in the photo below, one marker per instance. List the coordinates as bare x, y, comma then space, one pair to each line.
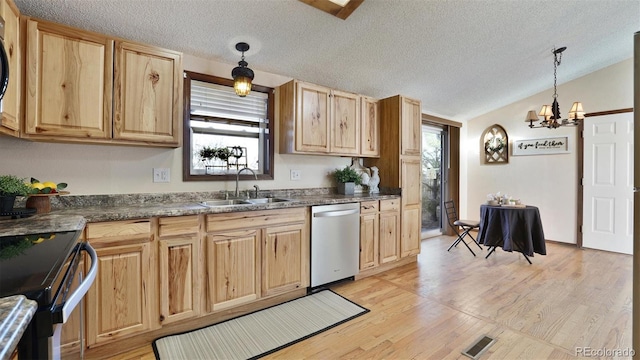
212, 101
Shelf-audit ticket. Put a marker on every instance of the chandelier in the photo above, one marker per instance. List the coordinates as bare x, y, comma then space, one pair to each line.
551, 113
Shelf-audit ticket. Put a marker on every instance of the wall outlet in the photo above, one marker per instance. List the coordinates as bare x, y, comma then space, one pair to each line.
296, 175
161, 175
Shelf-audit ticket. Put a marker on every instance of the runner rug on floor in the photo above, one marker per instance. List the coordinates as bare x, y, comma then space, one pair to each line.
262, 332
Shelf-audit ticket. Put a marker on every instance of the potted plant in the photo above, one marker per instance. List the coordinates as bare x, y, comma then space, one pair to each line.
209, 153
10, 187
347, 179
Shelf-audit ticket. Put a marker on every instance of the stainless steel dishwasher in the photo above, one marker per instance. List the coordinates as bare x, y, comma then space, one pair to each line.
335, 242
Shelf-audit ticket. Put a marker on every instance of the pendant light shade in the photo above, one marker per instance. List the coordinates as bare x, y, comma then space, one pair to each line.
242, 75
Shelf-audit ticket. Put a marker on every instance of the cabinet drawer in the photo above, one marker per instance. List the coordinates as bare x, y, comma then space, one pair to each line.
119, 229
369, 207
178, 225
254, 219
390, 205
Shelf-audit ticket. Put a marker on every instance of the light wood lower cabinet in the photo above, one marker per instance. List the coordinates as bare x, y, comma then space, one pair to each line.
232, 268
179, 268
282, 258
389, 231
255, 254
120, 302
379, 232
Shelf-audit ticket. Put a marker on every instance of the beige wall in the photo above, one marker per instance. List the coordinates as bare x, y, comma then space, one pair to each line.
546, 181
105, 169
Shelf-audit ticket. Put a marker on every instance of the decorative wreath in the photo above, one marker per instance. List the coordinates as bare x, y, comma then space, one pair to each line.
236, 151
495, 144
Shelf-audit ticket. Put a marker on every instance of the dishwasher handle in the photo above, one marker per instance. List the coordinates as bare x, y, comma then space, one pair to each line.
337, 213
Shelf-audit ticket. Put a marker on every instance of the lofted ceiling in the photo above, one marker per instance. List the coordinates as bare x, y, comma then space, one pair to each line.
461, 58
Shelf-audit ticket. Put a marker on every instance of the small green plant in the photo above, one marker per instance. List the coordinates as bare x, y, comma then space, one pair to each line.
347, 175
11, 185
222, 153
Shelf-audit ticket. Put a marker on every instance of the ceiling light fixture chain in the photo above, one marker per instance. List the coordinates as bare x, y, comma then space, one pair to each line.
551, 113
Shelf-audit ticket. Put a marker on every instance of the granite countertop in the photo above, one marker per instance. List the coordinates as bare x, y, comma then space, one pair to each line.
15, 314
98, 208
150, 209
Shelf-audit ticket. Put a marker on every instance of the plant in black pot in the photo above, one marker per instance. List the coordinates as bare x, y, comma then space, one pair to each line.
347, 179
10, 187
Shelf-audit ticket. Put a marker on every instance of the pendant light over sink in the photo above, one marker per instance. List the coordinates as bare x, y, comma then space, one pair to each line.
242, 75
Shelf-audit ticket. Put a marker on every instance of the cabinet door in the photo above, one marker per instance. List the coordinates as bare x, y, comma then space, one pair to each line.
119, 302
370, 139
345, 123
410, 180
410, 231
282, 256
312, 118
389, 236
179, 284
368, 241
148, 84
69, 82
232, 268
411, 127
10, 120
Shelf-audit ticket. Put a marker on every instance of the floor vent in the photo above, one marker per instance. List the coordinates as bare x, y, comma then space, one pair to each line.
479, 347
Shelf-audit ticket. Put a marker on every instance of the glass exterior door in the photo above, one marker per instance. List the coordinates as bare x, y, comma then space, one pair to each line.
432, 189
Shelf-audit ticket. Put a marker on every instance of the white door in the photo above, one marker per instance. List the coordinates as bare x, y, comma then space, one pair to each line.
608, 183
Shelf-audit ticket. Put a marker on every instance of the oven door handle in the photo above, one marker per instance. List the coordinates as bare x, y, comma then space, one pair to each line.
75, 298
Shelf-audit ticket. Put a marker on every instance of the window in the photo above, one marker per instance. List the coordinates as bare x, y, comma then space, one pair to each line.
239, 127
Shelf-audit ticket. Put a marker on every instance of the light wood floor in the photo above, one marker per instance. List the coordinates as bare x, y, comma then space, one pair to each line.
437, 307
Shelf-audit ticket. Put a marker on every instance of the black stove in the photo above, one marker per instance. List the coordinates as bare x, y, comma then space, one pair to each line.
42, 267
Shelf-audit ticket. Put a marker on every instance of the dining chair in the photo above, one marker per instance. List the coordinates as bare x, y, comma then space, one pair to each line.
465, 225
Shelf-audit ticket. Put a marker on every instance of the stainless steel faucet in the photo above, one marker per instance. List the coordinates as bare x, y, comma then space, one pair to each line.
238, 178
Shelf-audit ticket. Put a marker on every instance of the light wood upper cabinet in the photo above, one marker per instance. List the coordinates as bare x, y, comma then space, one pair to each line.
318, 120
312, 124
121, 300
69, 82
411, 127
10, 119
345, 123
178, 263
79, 90
370, 134
148, 87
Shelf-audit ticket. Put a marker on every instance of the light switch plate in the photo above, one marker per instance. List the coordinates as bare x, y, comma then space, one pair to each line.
296, 175
161, 175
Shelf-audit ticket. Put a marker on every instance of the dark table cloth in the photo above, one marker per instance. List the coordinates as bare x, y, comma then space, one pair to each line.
512, 229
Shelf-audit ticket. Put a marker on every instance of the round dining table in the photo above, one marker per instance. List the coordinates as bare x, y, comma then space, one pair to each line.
513, 228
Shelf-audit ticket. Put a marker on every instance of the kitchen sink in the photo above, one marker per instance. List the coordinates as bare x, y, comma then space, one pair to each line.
226, 202
266, 200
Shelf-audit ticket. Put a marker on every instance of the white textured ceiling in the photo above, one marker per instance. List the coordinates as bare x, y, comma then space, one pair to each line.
461, 58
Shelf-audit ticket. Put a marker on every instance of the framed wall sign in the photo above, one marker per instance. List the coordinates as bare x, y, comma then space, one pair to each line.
544, 146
